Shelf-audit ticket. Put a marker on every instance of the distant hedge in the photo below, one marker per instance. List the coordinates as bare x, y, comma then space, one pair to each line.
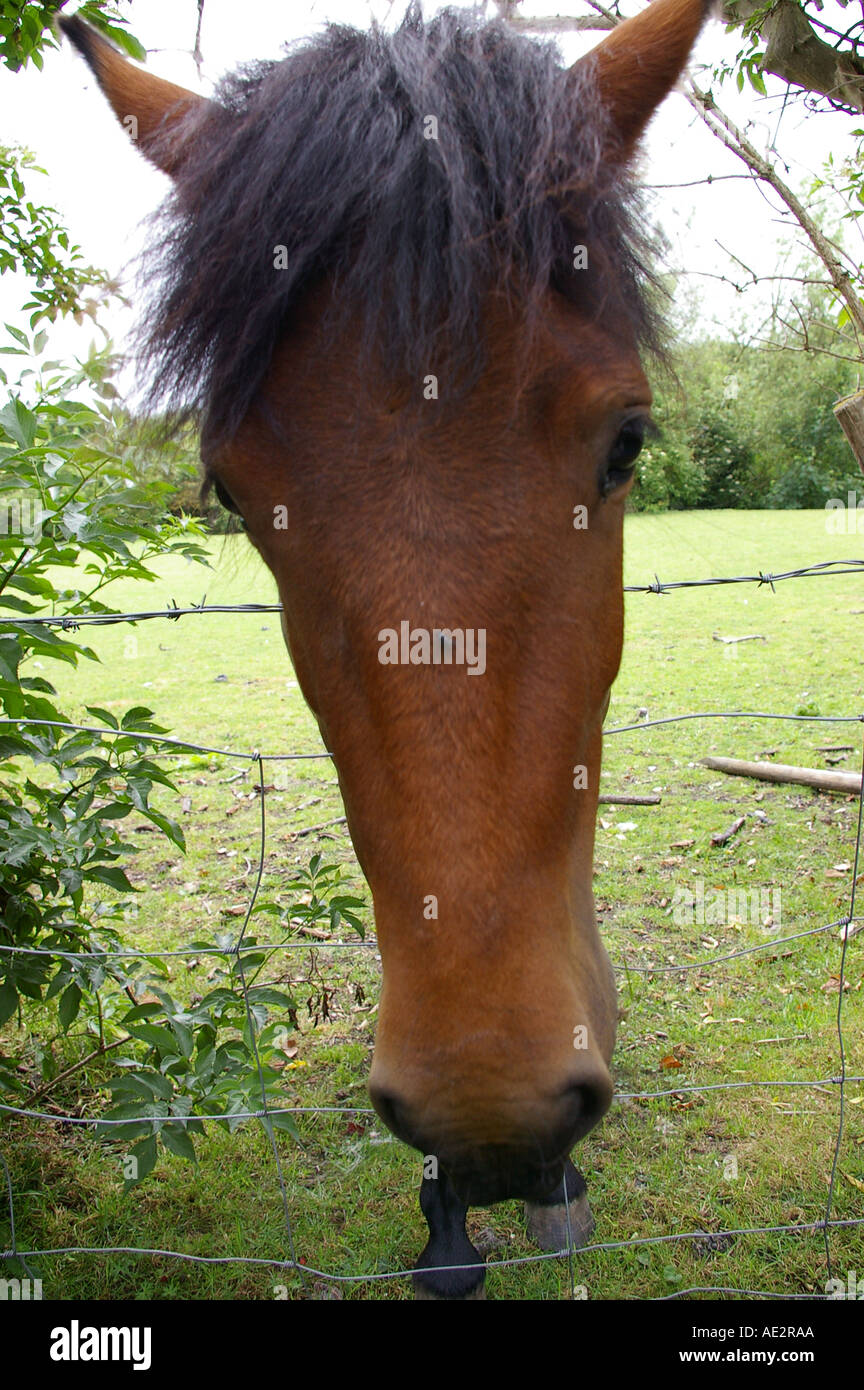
748, 427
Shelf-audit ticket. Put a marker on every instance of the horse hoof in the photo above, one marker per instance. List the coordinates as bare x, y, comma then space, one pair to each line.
547, 1226
441, 1288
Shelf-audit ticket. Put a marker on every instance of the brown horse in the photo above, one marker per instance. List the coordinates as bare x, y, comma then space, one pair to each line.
402, 284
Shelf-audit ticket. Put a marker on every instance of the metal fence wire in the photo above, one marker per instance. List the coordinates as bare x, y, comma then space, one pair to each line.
266, 1112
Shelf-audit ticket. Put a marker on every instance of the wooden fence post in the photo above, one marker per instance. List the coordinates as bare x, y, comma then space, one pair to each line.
850, 417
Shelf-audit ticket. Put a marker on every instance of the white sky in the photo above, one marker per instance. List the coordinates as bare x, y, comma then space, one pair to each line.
103, 188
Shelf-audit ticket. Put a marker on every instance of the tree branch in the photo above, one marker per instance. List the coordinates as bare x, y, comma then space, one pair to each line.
735, 140
555, 23
795, 53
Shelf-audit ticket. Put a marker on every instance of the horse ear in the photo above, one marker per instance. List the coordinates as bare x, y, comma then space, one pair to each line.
638, 64
152, 110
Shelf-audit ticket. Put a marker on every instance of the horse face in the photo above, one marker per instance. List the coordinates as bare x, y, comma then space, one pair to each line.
450, 569
469, 763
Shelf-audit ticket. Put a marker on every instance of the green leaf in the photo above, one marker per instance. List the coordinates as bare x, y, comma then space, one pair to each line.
136, 716
184, 1036
124, 40
145, 1083
263, 994
69, 1006
19, 423
8, 1000
160, 1038
115, 810
168, 827
178, 1141
99, 713
285, 1122
112, 875
144, 1153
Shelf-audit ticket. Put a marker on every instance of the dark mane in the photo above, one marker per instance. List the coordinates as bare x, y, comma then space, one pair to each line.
323, 153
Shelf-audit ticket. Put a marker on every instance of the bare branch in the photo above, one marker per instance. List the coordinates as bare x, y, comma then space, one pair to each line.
560, 24
734, 139
197, 55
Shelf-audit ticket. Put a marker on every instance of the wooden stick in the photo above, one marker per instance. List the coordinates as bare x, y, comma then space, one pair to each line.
76, 1066
722, 837
619, 799
310, 829
793, 1037
782, 772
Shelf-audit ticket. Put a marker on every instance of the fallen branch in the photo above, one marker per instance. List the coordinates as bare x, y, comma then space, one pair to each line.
311, 829
793, 1037
76, 1066
722, 837
619, 799
819, 778
754, 637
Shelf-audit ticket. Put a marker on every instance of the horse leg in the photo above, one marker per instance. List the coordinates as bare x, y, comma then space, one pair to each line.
547, 1220
448, 1245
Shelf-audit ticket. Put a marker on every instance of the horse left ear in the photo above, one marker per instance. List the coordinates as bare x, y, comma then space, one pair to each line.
638, 64
152, 110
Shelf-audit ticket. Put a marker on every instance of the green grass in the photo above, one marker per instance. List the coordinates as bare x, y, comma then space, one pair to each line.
654, 1167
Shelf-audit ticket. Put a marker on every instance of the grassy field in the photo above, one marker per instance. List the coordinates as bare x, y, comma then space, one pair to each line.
691, 1161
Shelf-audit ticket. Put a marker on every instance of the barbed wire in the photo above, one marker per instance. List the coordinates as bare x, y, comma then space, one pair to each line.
70, 621
173, 746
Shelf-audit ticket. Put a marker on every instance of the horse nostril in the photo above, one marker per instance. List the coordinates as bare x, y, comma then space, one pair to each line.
587, 1103
392, 1111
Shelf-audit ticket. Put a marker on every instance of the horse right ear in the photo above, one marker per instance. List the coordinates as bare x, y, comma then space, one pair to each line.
153, 111
638, 64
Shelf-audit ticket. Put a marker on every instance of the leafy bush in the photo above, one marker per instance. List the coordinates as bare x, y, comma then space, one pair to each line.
64, 499
803, 483
748, 428
64, 794
222, 1054
75, 514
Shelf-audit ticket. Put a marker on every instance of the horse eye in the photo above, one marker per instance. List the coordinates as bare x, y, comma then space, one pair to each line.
225, 498
623, 455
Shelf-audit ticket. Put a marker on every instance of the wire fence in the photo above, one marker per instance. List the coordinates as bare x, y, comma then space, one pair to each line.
171, 746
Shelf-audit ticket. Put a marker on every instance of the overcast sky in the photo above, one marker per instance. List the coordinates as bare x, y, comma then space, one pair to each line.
103, 188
